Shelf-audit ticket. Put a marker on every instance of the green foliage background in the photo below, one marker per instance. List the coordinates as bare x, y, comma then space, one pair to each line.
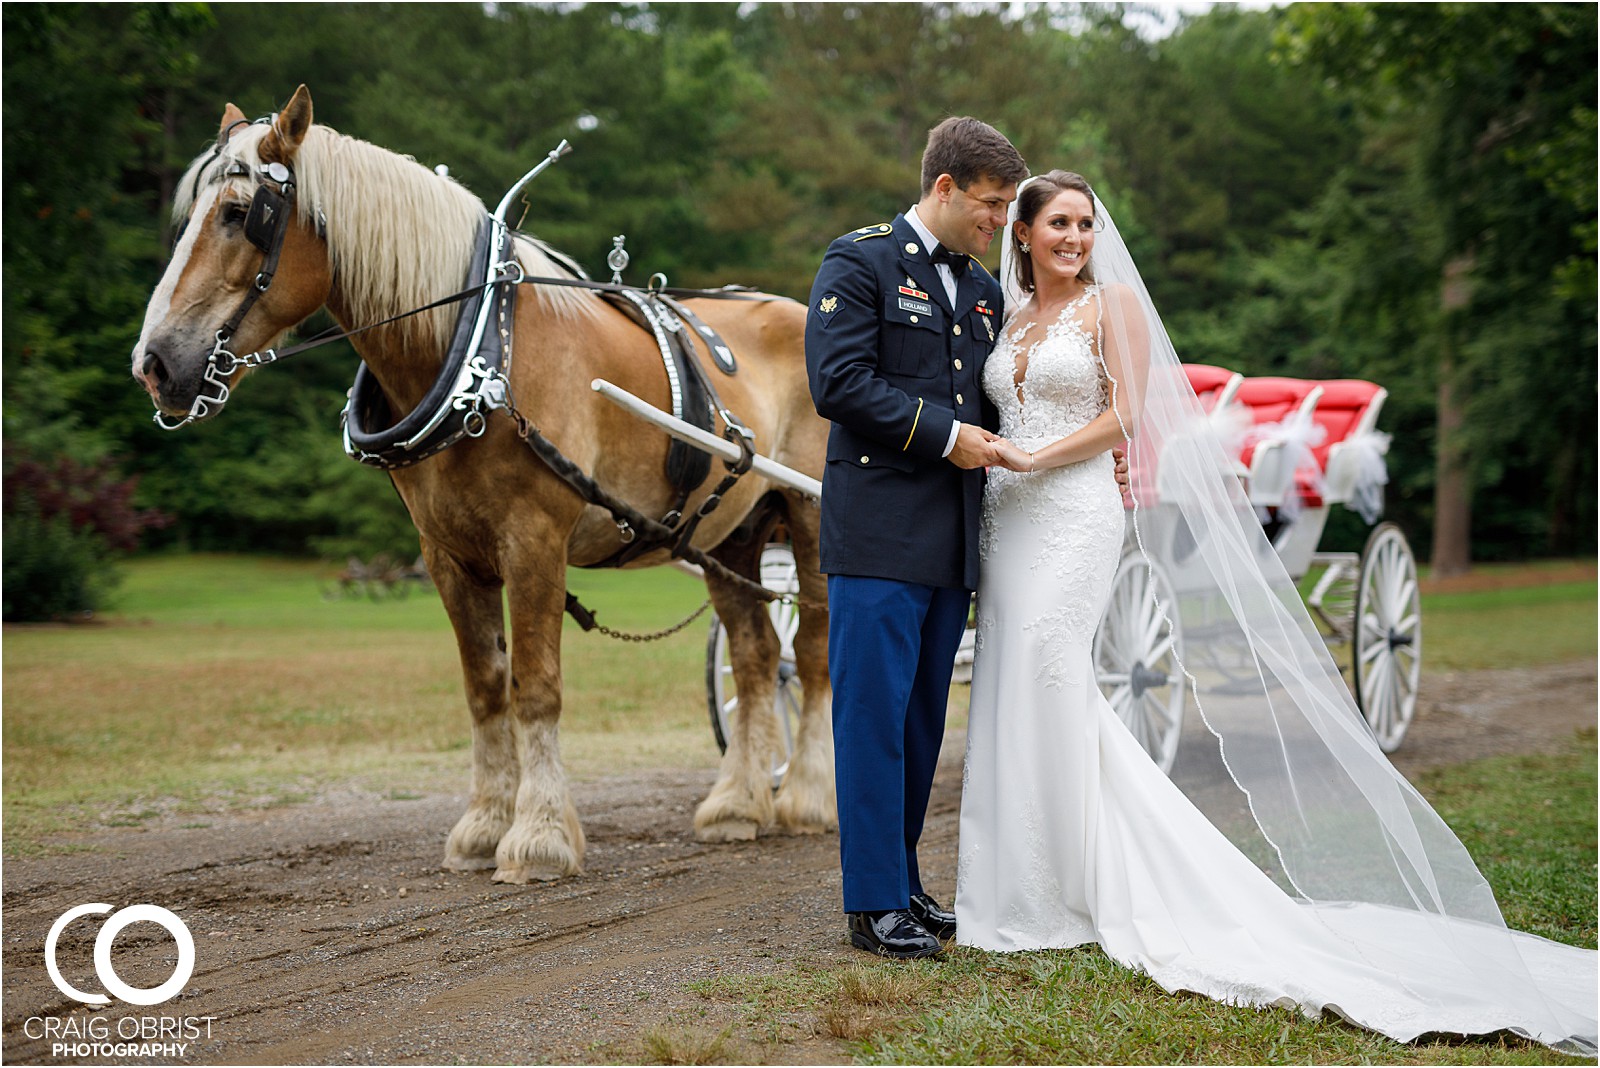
1293, 181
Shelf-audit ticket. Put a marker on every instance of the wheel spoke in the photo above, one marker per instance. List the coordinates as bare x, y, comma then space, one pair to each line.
1160, 716
1162, 648
1111, 652
1154, 619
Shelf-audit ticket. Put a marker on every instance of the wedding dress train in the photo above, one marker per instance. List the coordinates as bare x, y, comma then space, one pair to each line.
1070, 834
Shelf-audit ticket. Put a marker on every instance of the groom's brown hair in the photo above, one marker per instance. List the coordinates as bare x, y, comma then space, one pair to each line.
968, 150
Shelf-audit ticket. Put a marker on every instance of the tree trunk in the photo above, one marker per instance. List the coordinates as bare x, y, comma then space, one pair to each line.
1452, 492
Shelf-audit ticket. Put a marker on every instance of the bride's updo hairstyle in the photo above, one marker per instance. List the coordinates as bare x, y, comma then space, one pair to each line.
1041, 190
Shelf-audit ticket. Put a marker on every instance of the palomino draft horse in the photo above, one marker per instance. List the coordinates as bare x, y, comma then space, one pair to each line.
375, 234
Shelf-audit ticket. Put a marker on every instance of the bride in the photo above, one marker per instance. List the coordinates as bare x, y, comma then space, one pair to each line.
1317, 877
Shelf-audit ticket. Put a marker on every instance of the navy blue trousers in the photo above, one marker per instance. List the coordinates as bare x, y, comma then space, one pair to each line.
891, 648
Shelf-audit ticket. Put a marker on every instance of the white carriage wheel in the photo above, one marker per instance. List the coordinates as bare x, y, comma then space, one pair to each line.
1386, 659
1137, 654
778, 574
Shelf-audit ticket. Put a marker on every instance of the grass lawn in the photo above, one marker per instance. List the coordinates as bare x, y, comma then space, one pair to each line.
235, 679
1530, 822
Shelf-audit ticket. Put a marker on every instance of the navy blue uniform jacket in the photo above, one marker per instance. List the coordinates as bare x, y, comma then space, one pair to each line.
893, 366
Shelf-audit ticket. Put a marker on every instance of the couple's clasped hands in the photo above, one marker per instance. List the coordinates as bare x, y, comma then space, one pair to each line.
977, 447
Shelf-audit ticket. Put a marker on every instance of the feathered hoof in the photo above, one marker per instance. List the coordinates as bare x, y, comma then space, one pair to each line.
805, 804
474, 838
524, 873
728, 831
806, 825
544, 853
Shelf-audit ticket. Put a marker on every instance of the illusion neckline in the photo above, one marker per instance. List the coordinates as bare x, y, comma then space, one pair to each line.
1016, 340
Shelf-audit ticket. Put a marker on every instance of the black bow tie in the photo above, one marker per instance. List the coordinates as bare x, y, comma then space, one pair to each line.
944, 255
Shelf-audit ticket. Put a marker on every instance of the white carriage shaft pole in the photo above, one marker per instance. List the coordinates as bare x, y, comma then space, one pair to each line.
700, 439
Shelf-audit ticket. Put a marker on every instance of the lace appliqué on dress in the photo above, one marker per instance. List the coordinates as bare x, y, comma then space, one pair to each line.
1073, 510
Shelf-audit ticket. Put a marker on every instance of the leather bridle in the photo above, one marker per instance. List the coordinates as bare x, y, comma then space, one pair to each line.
266, 224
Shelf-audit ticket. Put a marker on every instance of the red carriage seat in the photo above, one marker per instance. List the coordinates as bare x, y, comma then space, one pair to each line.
1349, 406
1213, 385
1272, 400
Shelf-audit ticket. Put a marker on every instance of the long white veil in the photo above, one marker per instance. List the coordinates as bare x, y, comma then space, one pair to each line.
1307, 793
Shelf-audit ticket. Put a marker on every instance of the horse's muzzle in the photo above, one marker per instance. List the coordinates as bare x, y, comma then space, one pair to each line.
171, 388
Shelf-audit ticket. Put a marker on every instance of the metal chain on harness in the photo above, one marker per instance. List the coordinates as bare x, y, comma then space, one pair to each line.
657, 635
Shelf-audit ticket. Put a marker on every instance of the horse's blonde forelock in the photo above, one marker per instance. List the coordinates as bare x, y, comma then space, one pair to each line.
399, 235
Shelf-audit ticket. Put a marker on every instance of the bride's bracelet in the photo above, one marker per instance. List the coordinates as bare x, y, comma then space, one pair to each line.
1030, 463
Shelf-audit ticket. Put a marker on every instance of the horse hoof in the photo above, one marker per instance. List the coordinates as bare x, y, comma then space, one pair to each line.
456, 862
728, 831
522, 874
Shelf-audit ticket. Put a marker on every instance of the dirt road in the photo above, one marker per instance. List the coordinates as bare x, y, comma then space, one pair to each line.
326, 932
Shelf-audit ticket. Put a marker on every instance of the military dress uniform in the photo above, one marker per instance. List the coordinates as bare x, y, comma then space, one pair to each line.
894, 365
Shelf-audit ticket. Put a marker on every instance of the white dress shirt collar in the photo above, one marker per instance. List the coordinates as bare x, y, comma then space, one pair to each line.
929, 242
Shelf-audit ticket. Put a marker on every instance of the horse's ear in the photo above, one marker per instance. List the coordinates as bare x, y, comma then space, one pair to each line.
289, 126
230, 116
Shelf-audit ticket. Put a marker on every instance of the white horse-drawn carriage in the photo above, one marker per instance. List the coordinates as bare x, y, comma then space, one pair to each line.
1301, 447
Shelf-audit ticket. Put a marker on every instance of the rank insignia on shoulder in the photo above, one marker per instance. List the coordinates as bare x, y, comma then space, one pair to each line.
912, 291
873, 231
828, 305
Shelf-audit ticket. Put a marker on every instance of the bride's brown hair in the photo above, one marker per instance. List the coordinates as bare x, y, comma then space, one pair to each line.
1040, 191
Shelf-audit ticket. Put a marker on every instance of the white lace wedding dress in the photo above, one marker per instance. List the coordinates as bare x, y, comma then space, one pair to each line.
1070, 834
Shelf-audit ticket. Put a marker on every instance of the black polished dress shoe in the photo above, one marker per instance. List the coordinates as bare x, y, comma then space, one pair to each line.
926, 911
891, 934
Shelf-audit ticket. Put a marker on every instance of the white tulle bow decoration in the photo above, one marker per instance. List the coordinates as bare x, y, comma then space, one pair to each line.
1365, 454
1230, 425
1296, 435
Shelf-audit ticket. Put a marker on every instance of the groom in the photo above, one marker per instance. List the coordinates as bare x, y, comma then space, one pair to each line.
901, 320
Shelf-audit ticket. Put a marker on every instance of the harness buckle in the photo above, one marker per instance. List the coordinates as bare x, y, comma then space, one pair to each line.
731, 421
625, 529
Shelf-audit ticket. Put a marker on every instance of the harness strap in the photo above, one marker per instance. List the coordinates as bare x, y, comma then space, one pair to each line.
593, 493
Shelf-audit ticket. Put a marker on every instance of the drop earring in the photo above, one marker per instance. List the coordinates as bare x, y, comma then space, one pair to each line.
1025, 247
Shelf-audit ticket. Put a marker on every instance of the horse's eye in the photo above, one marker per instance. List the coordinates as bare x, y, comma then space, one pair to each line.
234, 214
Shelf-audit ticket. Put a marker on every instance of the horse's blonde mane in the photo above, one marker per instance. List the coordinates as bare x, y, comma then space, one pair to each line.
399, 236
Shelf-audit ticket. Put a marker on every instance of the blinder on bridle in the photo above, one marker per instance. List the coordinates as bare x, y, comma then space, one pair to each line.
266, 224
